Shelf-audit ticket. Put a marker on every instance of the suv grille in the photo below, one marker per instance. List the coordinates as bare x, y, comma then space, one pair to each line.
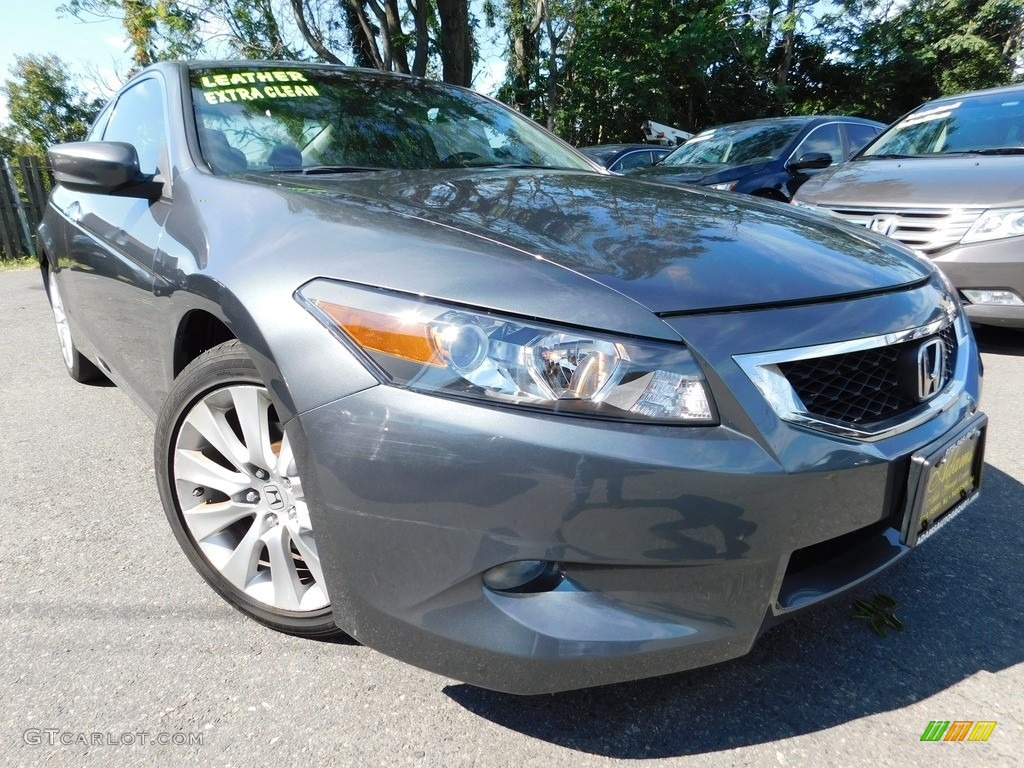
927, 230
867, 386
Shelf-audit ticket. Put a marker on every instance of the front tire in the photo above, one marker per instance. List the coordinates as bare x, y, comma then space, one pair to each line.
233, 494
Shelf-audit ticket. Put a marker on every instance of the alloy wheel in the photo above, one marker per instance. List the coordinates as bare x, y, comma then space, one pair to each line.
241, 499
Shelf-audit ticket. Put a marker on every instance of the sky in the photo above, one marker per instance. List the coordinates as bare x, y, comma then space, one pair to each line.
97, 51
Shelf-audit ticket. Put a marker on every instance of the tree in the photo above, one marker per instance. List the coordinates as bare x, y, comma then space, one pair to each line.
157, 29
407, 36
257, 29
45, 106
522, 22
692, 64
901, 55
541, 34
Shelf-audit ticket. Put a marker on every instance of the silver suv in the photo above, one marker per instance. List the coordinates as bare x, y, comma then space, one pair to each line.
948, 181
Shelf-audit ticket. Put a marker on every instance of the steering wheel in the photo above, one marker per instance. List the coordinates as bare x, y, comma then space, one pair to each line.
460, 158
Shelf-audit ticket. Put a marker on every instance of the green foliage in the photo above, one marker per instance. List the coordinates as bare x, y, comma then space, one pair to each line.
898, 58
157, 30
595, 69
415, 37
45, 106
19, 264
255, 30
683, 64
879, 612
699, 63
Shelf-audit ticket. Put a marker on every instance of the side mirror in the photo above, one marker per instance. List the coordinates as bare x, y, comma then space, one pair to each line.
812, 160
102, 167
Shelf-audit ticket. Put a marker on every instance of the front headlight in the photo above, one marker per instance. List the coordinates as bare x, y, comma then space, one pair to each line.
995, 224
725, 186
442, 349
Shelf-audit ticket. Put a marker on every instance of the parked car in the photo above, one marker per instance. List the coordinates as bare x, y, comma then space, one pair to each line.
421, 373
767, 158
945, 180
621, 158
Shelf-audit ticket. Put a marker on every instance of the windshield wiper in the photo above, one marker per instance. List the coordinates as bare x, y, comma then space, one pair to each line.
996, 151
313, 170
521, 165
890, 156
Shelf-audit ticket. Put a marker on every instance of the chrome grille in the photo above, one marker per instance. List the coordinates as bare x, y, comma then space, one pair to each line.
865, 386
927, 230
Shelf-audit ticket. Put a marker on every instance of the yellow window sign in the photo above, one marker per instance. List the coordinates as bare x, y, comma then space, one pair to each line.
249, 86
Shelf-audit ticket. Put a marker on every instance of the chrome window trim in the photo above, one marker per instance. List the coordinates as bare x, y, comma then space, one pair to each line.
762, 368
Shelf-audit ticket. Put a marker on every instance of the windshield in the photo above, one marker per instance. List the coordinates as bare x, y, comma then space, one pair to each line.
738, 144
310, 119
991, 122
599, 154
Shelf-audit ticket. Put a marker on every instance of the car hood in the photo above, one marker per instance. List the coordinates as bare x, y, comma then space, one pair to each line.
960, 180
689, 173
697, 173
669, 249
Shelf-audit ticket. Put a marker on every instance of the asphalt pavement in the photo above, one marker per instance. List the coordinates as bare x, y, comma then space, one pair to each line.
116, 653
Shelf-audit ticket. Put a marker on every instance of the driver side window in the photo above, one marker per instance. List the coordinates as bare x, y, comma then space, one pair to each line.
139, 119
824, 138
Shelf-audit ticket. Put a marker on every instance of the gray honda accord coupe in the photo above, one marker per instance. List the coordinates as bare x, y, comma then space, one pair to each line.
423, 374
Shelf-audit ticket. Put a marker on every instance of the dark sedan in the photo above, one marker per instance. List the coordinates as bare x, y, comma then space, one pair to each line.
768, 158
422, 374
621, 158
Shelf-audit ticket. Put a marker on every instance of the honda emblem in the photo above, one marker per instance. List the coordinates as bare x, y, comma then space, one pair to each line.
931, 368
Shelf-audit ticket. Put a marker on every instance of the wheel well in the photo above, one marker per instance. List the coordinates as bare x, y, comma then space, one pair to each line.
199, 331
44, 270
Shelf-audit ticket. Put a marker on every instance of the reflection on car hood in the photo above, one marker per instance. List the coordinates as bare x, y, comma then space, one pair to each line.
690, 172
697, 173
670, 249
955, 180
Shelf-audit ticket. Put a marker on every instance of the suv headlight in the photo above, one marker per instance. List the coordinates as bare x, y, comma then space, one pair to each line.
442, 349
995, 224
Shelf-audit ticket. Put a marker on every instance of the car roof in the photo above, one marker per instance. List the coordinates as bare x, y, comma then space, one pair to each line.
802, 120
1014, 88
185, 67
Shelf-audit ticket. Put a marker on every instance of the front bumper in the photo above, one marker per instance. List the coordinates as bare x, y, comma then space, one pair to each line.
999, 265
680, 545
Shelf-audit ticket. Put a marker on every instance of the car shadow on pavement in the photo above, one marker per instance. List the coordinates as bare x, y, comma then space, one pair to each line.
959, 600
1000, 341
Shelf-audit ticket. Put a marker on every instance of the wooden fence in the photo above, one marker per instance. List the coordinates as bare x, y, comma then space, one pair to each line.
24, 185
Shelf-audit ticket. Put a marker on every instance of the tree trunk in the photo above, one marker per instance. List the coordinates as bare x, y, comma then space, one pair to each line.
364, 50
418, 8
456, 43
788, 36
523, 31
314, 42
553, 70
